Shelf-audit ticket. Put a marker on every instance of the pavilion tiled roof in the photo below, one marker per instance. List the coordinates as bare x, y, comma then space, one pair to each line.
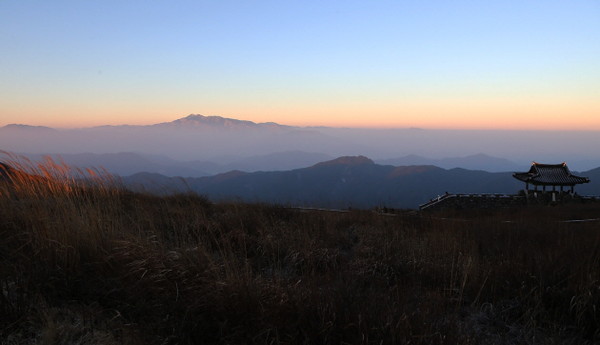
550, 175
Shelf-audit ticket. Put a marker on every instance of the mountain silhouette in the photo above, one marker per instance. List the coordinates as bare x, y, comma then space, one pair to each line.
194, 121
349, 181
346, 160
478, 161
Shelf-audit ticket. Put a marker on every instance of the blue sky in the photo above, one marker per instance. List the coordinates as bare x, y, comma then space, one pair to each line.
437, 64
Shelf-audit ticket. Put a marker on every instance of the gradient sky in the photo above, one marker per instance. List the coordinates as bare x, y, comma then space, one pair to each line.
432, 64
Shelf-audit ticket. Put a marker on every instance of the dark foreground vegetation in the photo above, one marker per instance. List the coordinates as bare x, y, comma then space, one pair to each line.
94, 264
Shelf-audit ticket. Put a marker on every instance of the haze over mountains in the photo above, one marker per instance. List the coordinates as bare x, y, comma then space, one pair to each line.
127, 163
310, 166
216, 144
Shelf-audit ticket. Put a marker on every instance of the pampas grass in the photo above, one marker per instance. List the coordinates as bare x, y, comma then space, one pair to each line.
85, 260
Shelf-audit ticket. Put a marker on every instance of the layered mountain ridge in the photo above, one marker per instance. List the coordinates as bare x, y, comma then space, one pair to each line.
347, 181
350, 181
221, 141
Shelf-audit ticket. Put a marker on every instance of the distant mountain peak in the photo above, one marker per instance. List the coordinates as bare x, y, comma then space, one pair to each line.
26, 127
347, 160
213, 121
197, 120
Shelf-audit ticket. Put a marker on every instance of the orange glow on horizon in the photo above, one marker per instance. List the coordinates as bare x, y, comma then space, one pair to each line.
498, 114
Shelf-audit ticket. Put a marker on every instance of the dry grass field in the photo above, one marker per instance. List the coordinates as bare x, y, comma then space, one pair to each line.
91, 263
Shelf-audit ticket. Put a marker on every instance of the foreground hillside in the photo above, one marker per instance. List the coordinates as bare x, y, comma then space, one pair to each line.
94, 264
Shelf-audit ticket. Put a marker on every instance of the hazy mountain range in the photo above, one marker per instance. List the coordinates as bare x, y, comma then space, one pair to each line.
128, 163
204, 145
234, 159
473, 162
344, 182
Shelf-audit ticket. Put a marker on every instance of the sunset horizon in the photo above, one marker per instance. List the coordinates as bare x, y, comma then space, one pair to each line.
516, 65
361, 122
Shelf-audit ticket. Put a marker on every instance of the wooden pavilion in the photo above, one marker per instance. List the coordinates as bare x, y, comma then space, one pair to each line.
550, 175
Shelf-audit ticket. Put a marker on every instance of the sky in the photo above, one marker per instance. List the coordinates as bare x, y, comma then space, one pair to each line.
524, 64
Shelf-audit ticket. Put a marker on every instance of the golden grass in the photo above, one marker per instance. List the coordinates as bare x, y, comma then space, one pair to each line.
87, 261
